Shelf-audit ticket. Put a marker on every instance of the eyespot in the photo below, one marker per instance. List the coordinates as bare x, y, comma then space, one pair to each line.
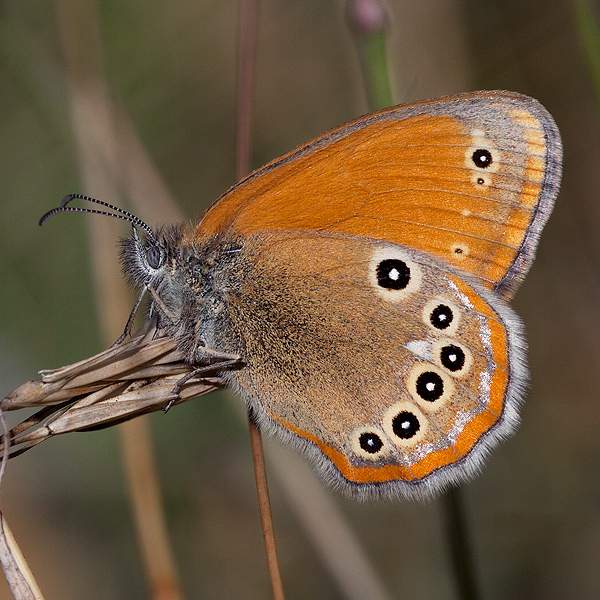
453, 357
153, 257
442, 316
481, 179
482, 158
430, 386
459, 251
405, 424
393, 274
370, 443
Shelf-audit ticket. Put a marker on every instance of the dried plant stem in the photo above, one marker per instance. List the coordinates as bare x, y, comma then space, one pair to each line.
246, 57
265, 510
328, 529
21, 582
246, 54
140, 465
19, 577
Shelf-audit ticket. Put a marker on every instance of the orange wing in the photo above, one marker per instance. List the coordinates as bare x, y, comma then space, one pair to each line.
469, 178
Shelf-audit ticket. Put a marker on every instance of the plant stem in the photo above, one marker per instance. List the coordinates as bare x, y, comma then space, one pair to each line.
246, 53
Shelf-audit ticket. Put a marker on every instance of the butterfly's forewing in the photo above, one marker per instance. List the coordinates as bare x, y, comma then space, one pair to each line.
390, 369
469, 178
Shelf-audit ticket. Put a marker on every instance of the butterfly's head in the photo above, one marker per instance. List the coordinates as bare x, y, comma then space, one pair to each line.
155, 261
148, 259
172, 272
183, 278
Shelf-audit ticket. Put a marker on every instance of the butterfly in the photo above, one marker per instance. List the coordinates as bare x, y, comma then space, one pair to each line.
362, 282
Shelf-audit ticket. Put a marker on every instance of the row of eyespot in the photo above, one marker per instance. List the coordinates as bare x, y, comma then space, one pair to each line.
430, 386
404, 423
398, 277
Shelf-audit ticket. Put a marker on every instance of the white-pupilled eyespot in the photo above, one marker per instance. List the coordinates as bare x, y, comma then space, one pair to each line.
405, 424
370, 443
394, 274
430, 386
452, 356
441, 315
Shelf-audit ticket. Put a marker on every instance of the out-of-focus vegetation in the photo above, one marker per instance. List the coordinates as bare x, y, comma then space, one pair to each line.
534, 512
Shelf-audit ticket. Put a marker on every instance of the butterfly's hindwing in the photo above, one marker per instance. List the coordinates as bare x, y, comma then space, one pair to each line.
388, 362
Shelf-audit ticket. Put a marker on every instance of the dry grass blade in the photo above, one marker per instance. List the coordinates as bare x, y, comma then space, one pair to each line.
143, 374
18, 575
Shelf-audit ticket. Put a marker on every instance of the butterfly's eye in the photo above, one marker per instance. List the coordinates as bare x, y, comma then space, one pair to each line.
153, 257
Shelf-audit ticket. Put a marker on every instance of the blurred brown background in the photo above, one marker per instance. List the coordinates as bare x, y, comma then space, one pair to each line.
534, 513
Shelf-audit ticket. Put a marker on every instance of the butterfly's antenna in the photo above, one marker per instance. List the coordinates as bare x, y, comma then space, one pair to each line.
121, 214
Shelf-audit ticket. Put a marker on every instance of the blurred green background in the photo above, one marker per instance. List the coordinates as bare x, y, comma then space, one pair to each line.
534, 513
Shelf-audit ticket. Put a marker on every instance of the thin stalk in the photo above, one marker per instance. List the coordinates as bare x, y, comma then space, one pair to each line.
19, 577
245, 79
586, 20
460, 548
98, 153
246, 56
266, 516
373, 54
368, 20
